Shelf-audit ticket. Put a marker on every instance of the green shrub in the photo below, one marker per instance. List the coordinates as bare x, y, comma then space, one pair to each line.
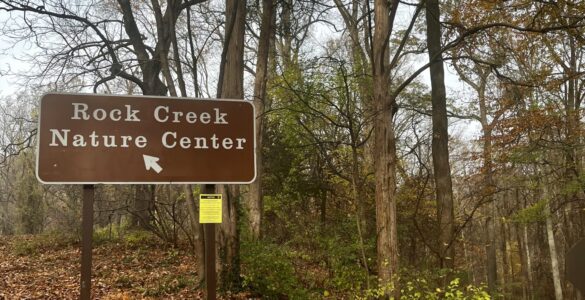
139, 238
23, 247
173, 257
123, 281
420, 289
344, 262
109, 233
101, 236
268, 270
30, 245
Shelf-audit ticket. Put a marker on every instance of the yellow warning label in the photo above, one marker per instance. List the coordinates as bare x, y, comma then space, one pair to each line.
209, 208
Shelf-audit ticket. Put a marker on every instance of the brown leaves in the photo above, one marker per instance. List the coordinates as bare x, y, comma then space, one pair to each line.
119, 273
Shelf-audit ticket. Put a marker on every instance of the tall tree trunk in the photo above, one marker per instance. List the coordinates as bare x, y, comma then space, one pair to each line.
440, 140
522, 257
231, 86
255, 204
489, 189
228, 249
528, 259
498, 244
150, 65
197, 228
177, 62
573, 103
356, 193
194, 57
384, 145
490, 249
552, 246
507, 265
573, 132
285, 44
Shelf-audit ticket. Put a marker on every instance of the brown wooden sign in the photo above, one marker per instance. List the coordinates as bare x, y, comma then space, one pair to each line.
575, 265
88, 139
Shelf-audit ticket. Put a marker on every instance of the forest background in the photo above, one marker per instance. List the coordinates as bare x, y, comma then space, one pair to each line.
371, 181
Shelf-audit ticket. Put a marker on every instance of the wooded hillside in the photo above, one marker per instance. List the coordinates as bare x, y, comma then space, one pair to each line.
417, 149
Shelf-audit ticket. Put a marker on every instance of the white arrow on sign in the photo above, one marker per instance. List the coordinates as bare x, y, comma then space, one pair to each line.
150, 162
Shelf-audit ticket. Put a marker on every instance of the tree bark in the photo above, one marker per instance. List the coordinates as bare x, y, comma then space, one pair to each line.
490, 249
552, 246
197, 228
255, 204
143, 205
384, 147
231, 86
528, 259
440, 140
228, 250
151, 66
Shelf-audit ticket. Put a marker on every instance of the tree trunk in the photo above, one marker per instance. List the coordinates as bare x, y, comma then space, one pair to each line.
141, 215
151, 67
507, 265
285, 44
255, 204
384, 147
491, 257
552, 246
228, 250
440, 140
231, 86
528, 260
522, 257
356, 193
197, 228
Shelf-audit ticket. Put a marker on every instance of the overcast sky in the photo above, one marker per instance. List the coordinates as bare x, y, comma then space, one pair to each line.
9, 85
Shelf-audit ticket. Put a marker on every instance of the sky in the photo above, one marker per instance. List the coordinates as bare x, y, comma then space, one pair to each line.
5, 63
456, 89
8, 84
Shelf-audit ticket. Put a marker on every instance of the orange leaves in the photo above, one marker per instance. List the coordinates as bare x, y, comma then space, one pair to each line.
525, 130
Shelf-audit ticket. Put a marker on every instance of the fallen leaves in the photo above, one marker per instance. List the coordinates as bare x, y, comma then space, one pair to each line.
119, 272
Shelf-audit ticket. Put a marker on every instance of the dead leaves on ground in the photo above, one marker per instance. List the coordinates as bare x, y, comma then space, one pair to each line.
119, 272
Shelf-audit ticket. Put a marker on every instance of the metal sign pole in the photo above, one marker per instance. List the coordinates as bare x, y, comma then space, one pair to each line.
210, 272
86, 241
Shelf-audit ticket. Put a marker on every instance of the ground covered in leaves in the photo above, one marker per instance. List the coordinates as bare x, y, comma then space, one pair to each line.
47, 267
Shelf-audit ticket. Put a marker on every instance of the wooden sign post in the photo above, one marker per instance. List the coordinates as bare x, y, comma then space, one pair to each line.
86, 241
93, 139
209, 217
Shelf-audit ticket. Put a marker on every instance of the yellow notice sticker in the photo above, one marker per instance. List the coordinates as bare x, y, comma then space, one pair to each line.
209, 208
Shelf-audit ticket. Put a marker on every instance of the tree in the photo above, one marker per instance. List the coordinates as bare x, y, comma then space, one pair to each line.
441, 167
255, 202
384, 143
231, 86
